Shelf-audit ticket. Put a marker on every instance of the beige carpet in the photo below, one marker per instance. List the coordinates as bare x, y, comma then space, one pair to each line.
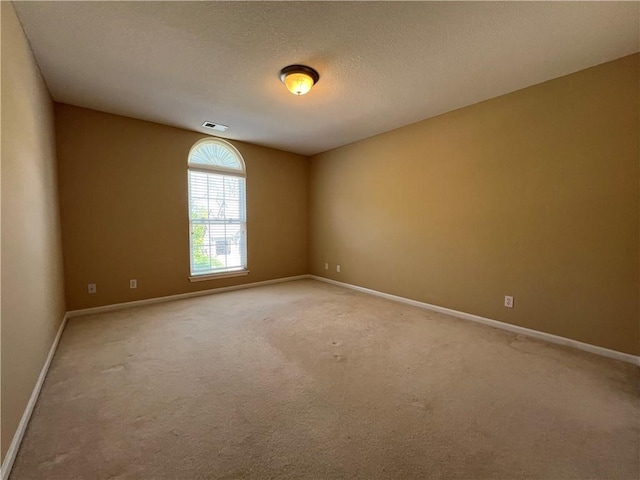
308, 380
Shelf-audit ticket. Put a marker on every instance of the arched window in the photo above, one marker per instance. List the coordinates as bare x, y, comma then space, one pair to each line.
217, 209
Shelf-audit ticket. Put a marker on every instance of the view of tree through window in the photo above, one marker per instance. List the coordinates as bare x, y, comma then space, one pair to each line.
217, 205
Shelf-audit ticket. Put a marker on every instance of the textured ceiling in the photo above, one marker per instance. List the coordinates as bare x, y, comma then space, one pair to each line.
382, 65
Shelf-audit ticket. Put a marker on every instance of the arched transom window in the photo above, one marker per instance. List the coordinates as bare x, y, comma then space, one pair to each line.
217, 209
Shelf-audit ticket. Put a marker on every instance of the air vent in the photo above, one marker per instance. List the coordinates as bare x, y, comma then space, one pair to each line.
215, 126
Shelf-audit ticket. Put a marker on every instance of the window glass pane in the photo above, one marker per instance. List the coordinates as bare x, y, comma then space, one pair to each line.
199, 200
212, 153
232, 195
217, 219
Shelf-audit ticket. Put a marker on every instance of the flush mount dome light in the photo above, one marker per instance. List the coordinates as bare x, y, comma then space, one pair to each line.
299, 78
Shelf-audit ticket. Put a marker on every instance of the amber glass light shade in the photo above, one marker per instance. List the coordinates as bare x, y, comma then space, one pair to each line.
299, 78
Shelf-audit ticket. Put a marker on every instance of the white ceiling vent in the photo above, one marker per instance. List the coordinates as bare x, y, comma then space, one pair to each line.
215, 126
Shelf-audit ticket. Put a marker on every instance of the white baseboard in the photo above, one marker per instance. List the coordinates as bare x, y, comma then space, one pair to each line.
180, 296
605, 352
24, 421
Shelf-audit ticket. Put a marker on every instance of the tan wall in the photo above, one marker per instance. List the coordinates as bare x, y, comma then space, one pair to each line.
123, 200
534, 194
32, 277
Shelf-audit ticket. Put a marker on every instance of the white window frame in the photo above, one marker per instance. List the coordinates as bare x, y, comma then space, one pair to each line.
225, 172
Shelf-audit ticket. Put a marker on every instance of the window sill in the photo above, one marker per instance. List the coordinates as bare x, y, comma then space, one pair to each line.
213, 276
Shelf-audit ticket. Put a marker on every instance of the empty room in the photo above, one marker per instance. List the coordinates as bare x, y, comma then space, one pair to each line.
320, 240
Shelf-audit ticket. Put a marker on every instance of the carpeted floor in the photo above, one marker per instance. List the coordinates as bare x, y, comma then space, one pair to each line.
309, 380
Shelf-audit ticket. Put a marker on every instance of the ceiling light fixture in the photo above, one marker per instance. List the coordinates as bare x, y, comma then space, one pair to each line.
299, 78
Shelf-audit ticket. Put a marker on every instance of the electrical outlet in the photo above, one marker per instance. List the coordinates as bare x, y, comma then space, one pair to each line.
133, 283
326, 266
338, 268
508, 301
91, 288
